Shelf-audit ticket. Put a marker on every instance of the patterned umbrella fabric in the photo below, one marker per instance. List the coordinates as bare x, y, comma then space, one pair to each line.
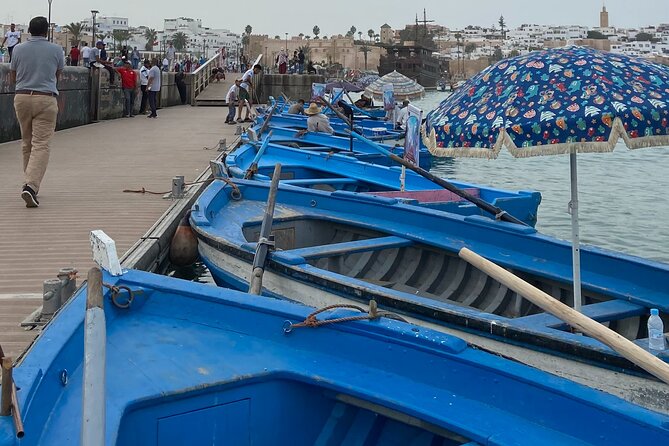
403, 87
554, 101
367, 79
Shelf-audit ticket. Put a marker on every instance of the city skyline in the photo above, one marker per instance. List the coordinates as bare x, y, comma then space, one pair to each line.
299, 16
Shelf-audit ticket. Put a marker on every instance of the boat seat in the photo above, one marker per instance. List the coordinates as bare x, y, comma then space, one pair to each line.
611, 310
428, 196
337, 249
310, 181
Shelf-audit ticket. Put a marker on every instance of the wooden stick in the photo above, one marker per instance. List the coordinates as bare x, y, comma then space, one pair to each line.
337, 112
625, 347
95, 345
6, 396
16, 414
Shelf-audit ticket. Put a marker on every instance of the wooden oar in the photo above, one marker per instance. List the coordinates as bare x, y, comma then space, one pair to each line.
482, 204
253, 168
267, 119
265, 240
337, 112
625, 347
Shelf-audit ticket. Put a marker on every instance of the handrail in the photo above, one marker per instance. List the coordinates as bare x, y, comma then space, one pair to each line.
201, 77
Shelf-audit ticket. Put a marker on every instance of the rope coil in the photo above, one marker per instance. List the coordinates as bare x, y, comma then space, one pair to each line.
312, 321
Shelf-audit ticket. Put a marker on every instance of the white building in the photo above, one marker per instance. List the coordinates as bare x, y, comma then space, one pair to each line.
106, 25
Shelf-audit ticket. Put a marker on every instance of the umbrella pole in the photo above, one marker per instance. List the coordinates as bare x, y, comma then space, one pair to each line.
575, 238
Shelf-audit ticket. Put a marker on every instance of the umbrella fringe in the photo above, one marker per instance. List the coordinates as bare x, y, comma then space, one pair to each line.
504, 140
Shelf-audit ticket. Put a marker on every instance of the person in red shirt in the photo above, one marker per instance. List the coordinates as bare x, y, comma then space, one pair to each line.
129, 84
74, 55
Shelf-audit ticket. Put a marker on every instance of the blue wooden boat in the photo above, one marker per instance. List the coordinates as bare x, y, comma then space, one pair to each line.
192, 364
317, 141
371, 129
317, 167
352, 247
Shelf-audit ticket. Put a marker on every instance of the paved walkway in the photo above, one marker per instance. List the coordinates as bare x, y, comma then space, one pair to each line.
90, 167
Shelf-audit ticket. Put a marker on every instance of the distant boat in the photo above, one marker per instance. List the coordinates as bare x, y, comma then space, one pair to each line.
316, 161
193, 364
344, 246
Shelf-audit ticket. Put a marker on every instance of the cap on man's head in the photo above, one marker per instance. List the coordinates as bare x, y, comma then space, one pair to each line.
99, 42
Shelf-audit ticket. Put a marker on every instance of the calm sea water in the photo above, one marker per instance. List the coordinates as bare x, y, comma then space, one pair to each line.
621, 194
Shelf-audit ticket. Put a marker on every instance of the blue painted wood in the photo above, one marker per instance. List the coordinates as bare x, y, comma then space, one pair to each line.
334, 249
300, 164
196, 364
621, 288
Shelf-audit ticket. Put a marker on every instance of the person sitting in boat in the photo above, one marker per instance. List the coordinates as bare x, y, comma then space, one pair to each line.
317, 121
402, 115
297, 108
364, 102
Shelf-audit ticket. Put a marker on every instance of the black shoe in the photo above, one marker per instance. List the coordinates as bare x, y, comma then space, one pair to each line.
30, 197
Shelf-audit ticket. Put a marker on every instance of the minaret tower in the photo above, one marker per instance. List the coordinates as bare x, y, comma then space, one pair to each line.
604, 17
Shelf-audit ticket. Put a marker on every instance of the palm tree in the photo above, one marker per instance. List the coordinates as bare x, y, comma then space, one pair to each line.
300, 35
248, 30
277, 37
180, 40
502, 26
75, 28
353, 30
151, 36
316, 31
119, 36
364, 49
370, 33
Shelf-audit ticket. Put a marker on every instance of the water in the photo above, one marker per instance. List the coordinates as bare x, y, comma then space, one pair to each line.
621, 194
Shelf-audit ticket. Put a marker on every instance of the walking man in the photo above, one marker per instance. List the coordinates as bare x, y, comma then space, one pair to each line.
35, 68
135, 58
144, 81
153, 86
245, 93
13, 38
74, 55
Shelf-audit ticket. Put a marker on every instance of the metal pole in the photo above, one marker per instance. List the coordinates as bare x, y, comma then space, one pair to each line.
49, 19
95, 343
286, 43
575, 238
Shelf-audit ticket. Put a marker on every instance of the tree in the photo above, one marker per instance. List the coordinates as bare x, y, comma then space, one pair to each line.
364, 49
248, 30
469, 49
353, 30
497, 55
75, 28
300, 35
370, 33
595, 35
307, 37
502, 26
119, 36
316, 31
277, 37
151, 35
644, 37
514, 53
180, 40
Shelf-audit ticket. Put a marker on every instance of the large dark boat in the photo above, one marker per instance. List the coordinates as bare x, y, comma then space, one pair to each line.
412, 60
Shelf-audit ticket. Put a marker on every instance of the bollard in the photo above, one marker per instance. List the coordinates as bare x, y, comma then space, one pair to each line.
51, 297
222, 145
68, 281
178, 186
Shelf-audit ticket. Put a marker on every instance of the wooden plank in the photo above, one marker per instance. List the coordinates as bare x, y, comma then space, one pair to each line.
89, 168
335, 249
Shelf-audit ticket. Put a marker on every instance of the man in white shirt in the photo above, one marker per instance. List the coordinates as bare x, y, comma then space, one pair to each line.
153, 87
86, 54
317, 121
245, 92
402, 116
231, 98
170, 55
13, 38
143, 82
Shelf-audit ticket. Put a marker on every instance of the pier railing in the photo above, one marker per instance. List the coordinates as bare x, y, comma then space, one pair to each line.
201, 77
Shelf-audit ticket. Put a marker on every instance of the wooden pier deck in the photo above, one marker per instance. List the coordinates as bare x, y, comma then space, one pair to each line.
90, 167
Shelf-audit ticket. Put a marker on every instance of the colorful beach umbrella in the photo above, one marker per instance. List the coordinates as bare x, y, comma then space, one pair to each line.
562, 100
403, 87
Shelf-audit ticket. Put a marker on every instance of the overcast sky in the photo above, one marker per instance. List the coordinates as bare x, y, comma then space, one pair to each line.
274, 17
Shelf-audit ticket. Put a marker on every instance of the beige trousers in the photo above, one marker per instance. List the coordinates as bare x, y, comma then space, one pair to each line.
37, 117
